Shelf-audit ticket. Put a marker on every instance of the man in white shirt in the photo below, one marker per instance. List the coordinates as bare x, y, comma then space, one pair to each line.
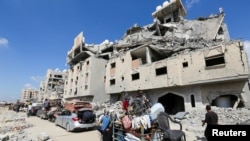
29, 108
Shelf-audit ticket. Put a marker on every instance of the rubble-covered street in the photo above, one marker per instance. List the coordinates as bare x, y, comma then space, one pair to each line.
13, 125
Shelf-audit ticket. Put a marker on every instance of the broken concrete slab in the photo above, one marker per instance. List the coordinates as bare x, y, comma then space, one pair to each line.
43, 136
180, 115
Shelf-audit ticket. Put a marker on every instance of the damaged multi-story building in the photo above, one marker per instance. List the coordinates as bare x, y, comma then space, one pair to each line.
178, 62
85, 76
53, 85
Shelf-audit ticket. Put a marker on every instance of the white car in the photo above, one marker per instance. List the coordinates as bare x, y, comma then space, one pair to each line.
76, 121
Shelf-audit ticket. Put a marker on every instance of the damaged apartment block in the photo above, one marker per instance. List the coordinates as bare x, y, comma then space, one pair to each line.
178, 62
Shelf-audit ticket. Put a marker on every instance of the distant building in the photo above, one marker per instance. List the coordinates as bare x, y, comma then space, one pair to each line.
53, 86
29, 94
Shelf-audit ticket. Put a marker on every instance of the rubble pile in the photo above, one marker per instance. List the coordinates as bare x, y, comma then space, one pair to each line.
12, 126
227, 116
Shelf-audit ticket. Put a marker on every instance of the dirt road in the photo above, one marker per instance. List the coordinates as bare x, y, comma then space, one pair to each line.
57, 133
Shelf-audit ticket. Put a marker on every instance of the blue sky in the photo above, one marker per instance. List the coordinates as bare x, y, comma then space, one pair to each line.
35, 35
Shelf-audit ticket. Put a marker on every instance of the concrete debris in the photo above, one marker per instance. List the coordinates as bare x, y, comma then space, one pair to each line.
180, 115
43, 137
12, 126
227, 116
4, 137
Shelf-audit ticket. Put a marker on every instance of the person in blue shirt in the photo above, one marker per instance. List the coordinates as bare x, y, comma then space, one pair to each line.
104, 127
105, 121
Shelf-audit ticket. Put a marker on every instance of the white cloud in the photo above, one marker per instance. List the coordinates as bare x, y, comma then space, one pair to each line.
37, 78
247, 48
3, 42
28, 86
190, 3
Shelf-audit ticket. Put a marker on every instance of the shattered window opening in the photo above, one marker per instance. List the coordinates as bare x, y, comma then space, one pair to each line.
112, 82
81, 66
220, 32
139, 54
161, 71
185, 64
168, 20
75, 93
112, 65
58, 76
135, 76
192, 100
215, 60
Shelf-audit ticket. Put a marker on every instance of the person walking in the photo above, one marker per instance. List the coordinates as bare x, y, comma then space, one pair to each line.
29, 109
211, 118
18, 105
46, 105
104, 129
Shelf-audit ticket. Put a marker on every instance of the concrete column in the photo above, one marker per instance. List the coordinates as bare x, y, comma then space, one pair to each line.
148, 56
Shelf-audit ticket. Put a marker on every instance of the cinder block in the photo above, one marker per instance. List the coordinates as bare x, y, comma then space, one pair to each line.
43, 137
4, 137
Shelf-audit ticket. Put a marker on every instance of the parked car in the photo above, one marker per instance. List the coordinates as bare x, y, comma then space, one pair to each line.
34, 109
43, 113
78, 120
39, 112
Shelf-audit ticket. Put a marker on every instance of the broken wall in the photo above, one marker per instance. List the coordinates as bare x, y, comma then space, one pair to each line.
86, 79
214, 64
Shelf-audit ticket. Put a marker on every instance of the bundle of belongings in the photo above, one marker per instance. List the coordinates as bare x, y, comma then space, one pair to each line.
137, 122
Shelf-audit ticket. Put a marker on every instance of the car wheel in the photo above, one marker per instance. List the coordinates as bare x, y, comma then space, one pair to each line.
67, 127
56, 123
53, 119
